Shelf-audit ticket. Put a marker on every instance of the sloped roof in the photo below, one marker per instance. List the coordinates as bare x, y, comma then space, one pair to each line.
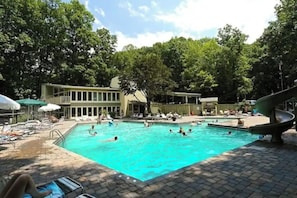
139, 96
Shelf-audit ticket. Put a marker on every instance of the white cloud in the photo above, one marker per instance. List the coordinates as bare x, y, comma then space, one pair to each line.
144, 8
194, 16
97, 22
87, 4
140, 11
145, 39
154, 3
100, 11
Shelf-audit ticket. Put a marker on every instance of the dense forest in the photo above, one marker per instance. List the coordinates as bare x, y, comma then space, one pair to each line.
53, 41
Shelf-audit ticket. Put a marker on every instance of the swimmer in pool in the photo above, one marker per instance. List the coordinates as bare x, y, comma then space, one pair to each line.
184, 133
110, 123
193, 123
93, 134
92, 128
146, 124
112, 139
181, 130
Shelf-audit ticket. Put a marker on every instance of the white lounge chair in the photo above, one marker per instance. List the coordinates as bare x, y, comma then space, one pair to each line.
108, 117
140, 116
163, 116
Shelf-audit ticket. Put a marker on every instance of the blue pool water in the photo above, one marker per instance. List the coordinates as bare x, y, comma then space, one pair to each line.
146, 153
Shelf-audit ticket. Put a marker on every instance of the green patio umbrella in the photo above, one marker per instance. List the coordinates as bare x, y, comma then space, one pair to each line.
30, 103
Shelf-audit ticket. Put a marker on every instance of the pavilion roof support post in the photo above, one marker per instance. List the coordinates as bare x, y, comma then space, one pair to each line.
189, 109
202, 108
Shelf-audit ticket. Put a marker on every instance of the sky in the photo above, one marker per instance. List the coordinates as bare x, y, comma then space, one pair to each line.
145, 22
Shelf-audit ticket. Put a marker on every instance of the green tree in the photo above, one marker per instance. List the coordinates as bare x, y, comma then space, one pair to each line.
149, 75
199, 62
234, 67
172, 55
19, 20
104, 51
51, 41
278, 60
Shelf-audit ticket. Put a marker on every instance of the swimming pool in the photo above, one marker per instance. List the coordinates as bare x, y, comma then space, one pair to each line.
146, 153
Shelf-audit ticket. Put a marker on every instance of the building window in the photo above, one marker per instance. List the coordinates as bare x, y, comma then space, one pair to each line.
84, 111
89, 96
104, 111
100, 110
73, 95
113, 96
118, 97
118, 110
56, 91
109, 109
95, 111
109, 97
90, 111
94, 96
84, 96
99, 96
79, 96
79, 112
73, 112
104, 96
135, 108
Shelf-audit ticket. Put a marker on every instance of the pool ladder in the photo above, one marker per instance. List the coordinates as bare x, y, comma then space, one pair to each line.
58, 132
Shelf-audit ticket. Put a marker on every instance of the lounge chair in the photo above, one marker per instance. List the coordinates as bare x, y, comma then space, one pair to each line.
86, 118
149, 117
7, 139
176, 115
134, 115
78, 119
163, 116
85, 196
108, 117
140, 116
157, 117
63, 187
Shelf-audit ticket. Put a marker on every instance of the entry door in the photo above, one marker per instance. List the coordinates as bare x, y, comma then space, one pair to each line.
67, 112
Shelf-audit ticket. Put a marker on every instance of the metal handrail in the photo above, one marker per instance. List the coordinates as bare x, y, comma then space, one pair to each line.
61, 136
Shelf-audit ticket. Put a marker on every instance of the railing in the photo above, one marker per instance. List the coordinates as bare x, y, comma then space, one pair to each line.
59, 100
58, 132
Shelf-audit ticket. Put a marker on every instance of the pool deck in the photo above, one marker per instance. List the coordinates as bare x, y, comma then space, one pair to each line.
260, 169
